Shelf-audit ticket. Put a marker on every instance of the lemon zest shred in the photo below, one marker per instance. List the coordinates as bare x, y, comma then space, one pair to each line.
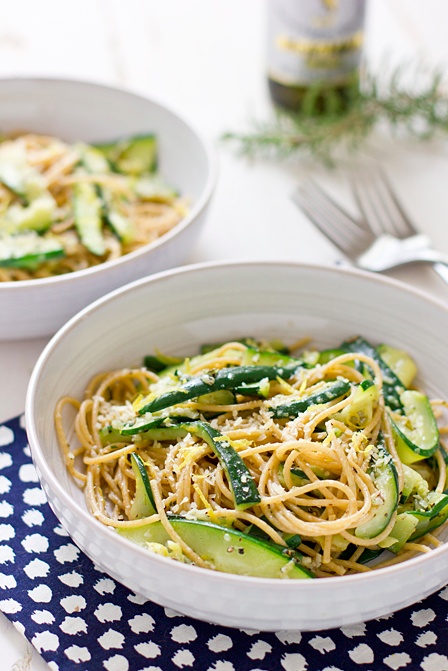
152, 468
359, 441
285, 385
211, 513
329, 438
157, 548
237, 444
137, 402
188, 454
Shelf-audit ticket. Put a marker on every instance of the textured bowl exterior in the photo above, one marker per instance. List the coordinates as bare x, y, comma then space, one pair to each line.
177, 311
81, 111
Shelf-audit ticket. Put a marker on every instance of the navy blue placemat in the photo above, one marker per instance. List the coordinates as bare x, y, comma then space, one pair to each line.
80, 619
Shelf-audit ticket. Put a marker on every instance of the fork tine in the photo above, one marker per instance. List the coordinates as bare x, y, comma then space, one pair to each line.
380, 206
336, 211
407, 226
333, 222
366, 205
322, 222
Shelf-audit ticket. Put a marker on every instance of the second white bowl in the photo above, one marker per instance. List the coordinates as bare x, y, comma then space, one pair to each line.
81, 111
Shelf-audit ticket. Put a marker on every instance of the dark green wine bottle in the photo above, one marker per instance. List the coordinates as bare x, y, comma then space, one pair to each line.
314, 53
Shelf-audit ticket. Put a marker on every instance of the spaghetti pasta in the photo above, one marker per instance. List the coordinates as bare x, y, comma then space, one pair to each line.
285, 451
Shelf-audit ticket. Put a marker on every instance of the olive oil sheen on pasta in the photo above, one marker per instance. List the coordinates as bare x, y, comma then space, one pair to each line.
314, 52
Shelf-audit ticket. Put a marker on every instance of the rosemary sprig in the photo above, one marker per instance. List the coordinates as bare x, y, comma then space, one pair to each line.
406, 101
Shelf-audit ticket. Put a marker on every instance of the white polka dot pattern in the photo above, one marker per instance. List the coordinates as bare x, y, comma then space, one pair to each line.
78, 618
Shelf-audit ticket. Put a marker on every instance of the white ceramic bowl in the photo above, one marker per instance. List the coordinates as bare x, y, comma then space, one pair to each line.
178, 310
81, 111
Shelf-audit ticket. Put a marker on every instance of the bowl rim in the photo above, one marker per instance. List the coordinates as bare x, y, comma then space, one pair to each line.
198, 206
95, 525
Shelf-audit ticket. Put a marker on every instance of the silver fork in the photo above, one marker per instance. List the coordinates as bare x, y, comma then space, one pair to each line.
383, 212
369, 247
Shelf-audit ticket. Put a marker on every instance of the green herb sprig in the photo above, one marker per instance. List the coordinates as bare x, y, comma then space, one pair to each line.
409, 102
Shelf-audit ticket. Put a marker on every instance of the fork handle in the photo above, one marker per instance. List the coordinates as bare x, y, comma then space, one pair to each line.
439, 261
430, 256
388, 252
442, 271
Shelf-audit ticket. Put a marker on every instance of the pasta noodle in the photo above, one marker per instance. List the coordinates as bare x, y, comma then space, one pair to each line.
327, 471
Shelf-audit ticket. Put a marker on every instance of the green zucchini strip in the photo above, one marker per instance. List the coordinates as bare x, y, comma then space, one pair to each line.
252, 356
258, 356
227, 378
358, 413
411, 525
368, 555
258, 389
434, 517
416, 433
95, 163
109, 434
88, 212
140, 425
327, 355
226, 549
17, 175
392, 385
385, 478
400, 362
221, 397
143, 504
28, 250
134, 155
160, 362
292, 540
329, 393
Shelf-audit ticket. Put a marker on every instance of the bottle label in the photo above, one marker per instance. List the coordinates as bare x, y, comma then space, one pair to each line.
314, 40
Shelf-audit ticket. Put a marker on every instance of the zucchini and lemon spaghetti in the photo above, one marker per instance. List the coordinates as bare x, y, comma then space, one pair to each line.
248, 460
66, 207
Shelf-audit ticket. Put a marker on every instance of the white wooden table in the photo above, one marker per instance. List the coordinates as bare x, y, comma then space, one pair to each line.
206, 59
